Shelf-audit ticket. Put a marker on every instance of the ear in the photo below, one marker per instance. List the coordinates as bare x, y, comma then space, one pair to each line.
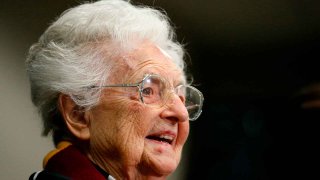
75, 119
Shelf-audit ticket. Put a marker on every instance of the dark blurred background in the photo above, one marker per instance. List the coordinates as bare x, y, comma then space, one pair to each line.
256, 63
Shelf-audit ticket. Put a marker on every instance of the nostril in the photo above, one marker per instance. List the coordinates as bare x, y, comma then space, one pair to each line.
173, 119
182, 99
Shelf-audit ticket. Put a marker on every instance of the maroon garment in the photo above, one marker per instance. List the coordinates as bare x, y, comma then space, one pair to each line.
72, 163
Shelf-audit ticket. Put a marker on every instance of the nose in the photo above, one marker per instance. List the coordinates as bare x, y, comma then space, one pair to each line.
175, 109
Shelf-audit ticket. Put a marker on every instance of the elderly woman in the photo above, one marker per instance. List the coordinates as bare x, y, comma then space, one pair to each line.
108, 80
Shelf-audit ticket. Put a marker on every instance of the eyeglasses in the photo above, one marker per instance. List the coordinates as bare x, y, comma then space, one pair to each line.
155, 90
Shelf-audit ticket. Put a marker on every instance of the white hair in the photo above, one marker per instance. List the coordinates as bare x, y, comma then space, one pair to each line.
75, 52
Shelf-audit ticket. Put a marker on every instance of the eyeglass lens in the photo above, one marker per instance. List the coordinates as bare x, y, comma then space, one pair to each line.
155, 90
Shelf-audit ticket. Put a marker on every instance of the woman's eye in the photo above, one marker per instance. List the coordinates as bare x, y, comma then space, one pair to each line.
147, 91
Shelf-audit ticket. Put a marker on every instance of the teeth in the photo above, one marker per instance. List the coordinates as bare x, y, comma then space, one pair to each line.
166, 137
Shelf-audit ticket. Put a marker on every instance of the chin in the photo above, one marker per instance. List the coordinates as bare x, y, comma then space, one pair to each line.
160, 158
163, 165
167, 169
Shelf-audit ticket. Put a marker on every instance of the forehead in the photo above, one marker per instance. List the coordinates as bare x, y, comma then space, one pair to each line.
149, 59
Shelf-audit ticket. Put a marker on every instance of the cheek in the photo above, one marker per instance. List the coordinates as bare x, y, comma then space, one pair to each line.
103, 132
120, 132
135, 119
133, 130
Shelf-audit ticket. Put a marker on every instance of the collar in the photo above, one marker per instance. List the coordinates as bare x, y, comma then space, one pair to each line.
104, 173
61, 145
70, 161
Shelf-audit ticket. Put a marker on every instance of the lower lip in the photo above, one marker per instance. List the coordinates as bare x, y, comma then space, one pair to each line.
160, 146
158, 142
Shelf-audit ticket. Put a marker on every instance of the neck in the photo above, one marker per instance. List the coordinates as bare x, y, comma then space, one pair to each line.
120, 170
142, 174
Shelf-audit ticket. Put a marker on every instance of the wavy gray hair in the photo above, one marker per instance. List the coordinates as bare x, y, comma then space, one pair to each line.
75, 53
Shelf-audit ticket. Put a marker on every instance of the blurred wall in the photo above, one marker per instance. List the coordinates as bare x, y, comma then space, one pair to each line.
22, 146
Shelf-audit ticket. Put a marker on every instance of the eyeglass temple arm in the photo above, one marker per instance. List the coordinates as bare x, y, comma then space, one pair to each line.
118, 85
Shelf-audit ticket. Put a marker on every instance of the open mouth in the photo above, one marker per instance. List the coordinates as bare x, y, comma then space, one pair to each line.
164, 138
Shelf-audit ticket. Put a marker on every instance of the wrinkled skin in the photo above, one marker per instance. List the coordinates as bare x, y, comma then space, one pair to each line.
120, 123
